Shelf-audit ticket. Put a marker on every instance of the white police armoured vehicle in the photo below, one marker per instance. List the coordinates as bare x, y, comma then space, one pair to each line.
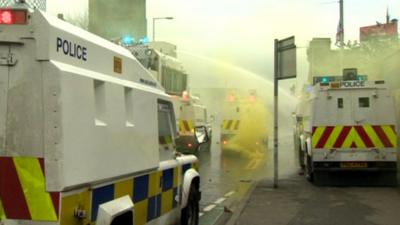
347, 125
87, 135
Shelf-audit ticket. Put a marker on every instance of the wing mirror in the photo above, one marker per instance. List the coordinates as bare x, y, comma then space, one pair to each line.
201, 134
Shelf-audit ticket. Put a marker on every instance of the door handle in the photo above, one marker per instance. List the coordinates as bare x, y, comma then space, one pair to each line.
360, 121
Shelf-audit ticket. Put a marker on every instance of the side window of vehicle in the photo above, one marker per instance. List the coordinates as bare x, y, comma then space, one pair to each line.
166, 123
363, 102
340, 103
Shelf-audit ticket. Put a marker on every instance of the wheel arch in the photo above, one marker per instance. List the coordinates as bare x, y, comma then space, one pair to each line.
190, 177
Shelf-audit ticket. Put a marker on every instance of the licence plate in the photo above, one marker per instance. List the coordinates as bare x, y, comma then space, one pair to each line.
353, 165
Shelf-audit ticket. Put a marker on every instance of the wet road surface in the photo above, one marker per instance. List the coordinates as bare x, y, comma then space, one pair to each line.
227, 175
298, 202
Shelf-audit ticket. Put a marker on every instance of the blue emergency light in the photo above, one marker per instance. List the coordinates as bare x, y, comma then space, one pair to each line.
128, 40
362, 77
144, 40
325, 79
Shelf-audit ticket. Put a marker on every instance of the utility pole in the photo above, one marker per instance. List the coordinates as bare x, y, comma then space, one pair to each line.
387, 15
341, 24
276, 87
285, 67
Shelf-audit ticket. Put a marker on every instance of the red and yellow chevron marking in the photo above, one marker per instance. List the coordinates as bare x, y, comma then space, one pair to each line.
165, 140
230, 124
2, 214
186, 126
23, 190
365, 136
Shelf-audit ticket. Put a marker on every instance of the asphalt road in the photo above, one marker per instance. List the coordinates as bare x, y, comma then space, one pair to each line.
298, 202
227, 175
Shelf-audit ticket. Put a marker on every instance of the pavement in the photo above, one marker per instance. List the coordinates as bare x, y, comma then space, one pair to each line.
298, 202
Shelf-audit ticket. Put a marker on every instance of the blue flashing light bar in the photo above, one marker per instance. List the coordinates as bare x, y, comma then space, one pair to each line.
362, 77
128, 40
144, 40
327, 79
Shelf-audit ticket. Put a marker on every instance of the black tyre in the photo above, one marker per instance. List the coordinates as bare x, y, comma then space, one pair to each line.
190, 214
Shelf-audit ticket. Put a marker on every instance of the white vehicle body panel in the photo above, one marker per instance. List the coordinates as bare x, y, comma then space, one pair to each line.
323, 102
88, 124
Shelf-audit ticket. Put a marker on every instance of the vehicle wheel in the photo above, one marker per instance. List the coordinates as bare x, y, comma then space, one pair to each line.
190, 214
308, 167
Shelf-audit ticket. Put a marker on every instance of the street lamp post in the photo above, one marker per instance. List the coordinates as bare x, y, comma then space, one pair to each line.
154, 24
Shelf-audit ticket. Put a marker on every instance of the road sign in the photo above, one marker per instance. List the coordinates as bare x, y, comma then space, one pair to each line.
284, 68
286, 51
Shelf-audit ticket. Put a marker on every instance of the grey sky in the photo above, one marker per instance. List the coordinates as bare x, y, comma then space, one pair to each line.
241, 32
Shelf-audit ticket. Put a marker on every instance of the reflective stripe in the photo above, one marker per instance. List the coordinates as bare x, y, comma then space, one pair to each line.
342, 137
358, 141
124, 188
230, 124
365, 136
33, 182
2, 214
165, 140
23, 192
237, 125
70, 203
376, 141
390, 134
224, 124
334, 136
154, 184
324, 137
348, 141
380, 132
141, 209
101, 195
11, 192
153, 194
176, 178
317, 133
167, 201
186, 126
